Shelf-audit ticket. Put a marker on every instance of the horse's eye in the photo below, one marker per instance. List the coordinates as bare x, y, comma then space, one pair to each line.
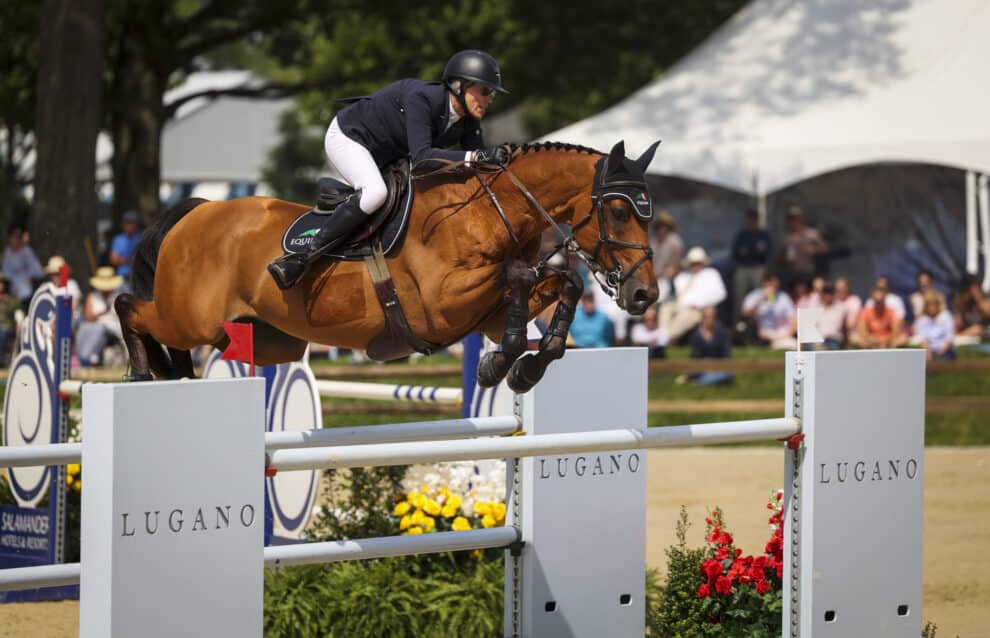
620, 212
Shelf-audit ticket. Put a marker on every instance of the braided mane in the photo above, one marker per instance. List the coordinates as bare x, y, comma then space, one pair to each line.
536, 147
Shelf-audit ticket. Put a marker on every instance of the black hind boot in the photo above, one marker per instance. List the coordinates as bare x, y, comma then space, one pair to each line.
287, 270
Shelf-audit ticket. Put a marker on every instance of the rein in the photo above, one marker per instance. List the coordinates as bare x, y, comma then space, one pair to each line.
610, 280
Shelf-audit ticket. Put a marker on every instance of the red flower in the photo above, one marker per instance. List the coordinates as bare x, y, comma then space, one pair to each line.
756, 574
723, 586
725, 538
704, 591
722, 553
780, 570
760, 561
712, 569
762, 587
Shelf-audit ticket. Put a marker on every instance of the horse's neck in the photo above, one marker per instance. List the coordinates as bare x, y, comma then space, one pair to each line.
559, 180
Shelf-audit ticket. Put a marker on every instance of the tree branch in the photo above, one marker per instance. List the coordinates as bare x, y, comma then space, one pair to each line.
271, 91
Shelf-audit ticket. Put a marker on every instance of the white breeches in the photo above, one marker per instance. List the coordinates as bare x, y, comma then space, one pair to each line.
356, 165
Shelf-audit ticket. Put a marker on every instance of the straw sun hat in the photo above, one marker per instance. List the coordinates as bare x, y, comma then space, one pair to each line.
54, 265
105, 279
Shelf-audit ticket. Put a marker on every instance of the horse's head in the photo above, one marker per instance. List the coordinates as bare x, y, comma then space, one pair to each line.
615, 232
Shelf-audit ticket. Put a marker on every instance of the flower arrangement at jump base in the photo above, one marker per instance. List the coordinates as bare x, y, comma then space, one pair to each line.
716, 590
743, 588
432, 509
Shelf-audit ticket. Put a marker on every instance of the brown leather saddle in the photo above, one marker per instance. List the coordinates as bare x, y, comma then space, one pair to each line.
371, 244
386, 226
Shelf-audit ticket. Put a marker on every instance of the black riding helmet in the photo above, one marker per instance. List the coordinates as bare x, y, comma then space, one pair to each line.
474, 66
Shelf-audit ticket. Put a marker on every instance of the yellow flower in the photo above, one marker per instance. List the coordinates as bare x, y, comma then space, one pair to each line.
68, 479
476, 553
448, 511
498, 511
454, 501
417, 517
487, 521
429, 524
73, 468
425, 489
401, 509
415, 530
417, 499
445, 492
77, 486
431, 507
460, 524
481, 508
405, 522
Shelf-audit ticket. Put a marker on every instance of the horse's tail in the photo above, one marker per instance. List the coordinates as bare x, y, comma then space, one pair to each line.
145, 259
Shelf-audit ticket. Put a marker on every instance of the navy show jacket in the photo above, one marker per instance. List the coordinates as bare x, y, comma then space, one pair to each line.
408, 118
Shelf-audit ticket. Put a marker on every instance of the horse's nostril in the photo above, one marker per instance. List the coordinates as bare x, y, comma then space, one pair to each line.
642, 295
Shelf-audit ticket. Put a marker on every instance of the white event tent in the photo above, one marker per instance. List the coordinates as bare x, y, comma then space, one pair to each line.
788, 91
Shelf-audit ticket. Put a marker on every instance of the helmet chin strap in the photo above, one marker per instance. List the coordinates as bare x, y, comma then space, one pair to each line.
458, 93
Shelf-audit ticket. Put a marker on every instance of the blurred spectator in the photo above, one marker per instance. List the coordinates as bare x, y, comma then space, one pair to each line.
801, 245
20, 265
934, 328
591, 327
668, 249
52, 271
851, 301
804, 296
972, 311
773, 313
646, 333
100, 326
123, 245
926, 284
832, 323
878, 326
710, 341
695, 288
9, 305
894, 302
750, 252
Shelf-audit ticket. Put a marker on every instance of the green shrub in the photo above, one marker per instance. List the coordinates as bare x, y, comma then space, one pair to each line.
383, 598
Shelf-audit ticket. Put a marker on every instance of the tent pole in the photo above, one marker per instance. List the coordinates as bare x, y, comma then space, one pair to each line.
971, 229
984, 200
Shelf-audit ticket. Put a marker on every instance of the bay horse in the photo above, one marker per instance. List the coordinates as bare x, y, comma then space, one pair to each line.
468, 262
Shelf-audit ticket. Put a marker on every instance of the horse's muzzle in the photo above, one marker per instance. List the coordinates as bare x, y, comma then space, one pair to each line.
637, 296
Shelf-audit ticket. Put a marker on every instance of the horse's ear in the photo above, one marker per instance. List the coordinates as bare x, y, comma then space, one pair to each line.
617, 154
644, 160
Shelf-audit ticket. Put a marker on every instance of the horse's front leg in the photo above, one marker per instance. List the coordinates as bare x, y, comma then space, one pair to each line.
495, 365
528, 370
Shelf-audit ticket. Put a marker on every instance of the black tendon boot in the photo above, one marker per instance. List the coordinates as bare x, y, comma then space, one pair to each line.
287, 270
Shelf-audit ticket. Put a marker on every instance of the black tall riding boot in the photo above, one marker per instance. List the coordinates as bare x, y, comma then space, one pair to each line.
287, 270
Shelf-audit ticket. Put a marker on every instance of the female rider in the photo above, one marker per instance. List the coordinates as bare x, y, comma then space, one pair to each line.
409, 118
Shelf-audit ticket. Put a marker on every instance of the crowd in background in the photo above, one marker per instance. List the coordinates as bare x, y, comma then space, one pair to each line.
96, 330
752, 303
755, 301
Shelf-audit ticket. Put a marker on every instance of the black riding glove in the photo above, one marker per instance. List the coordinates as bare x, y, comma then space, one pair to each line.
492, 156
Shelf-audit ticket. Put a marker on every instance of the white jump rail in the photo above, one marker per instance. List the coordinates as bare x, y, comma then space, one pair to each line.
526, 446
349, 390
445, 429
301, 554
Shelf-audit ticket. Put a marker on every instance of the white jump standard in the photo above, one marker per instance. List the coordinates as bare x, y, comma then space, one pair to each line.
172, 540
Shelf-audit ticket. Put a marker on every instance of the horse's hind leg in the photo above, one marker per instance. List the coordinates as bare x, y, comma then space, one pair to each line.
493, 366
182, 364
529, 369
128, 308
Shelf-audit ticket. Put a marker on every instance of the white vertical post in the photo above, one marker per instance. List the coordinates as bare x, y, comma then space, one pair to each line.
853, 498
984, 199
579, 572
971, 226
173, 510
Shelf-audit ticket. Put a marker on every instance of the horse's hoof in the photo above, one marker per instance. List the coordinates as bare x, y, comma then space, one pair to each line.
127, 378
517, 378
488, 376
